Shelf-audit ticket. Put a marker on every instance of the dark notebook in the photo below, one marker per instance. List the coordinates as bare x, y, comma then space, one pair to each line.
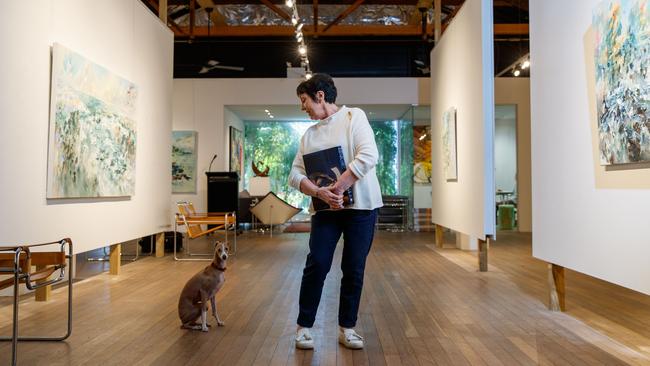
323, 168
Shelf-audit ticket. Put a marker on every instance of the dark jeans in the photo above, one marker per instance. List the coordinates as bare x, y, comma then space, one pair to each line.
358, 229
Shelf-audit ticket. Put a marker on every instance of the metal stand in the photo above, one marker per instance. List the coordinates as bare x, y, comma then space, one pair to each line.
106, 257
256, 222
179, 217
20, 276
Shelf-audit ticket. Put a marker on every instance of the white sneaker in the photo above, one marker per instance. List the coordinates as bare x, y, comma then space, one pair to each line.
304, 339
350, 339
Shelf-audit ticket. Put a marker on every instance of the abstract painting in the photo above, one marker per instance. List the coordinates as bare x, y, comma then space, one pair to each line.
236, 151
449, 144
92, 137
622, 58
184, 161
422, 154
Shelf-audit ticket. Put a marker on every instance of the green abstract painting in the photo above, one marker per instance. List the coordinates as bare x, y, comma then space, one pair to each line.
184, 161
92, 138
622, 58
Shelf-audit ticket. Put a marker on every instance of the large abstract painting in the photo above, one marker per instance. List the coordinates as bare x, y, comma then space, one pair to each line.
622, 57
92, 139
236, 151
449, 144
422, 154
184, 161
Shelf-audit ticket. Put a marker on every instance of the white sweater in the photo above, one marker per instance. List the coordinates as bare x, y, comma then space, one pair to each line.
350, 129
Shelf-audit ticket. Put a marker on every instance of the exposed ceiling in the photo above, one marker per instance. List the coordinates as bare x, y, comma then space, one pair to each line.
352, 38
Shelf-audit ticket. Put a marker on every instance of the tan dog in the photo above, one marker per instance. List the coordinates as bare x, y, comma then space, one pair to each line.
203, 286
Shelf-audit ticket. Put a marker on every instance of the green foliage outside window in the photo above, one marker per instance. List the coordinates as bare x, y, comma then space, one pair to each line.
275, 144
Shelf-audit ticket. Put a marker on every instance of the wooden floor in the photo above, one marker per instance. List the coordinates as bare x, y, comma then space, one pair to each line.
421, 306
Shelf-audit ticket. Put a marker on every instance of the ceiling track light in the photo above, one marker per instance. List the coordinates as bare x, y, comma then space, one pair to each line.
516, 72
300, 38
525, 64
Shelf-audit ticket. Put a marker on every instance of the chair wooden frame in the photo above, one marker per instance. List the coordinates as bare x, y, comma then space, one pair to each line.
18, 261
188, 217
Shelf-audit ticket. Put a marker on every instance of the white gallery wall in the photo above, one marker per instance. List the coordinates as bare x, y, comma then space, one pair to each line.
578, 224
127, 39
201, 105
516, 91
462, 75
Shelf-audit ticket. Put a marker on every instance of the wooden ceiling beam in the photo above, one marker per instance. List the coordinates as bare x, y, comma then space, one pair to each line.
521, 4
511, 29
316, 17
337, 30
170, 22
277, 10
192, 19
215, 17
344, 14
308, 30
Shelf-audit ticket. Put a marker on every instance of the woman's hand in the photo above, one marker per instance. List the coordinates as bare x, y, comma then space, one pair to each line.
334, 200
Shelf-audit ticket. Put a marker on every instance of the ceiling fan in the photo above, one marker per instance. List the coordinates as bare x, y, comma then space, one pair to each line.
424, 69
213, 64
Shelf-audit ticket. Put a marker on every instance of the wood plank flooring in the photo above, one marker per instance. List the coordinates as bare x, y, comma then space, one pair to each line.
421, 306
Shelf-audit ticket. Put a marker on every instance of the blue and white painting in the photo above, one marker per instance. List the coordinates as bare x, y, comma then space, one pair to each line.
92, 140
184, 161
622, 57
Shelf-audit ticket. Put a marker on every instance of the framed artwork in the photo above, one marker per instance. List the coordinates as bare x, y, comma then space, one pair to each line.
449, 144
236, 151
92, 132
184, 161
621, 30
421, 154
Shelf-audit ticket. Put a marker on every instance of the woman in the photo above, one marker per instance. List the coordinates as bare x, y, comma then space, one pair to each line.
349, 129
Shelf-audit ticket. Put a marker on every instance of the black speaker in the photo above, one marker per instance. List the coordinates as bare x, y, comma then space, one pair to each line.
223, 191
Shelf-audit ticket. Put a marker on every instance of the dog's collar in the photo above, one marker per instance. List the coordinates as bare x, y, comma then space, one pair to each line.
217, 268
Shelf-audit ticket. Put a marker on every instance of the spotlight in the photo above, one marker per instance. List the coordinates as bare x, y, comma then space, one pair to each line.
302, 49
294, 21
271, 116
526, 64
266, 110
300, 26
308, 75
289, 3
516, 73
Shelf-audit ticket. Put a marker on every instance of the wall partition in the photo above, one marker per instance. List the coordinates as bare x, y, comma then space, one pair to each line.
590, 214
462, 123
125, 38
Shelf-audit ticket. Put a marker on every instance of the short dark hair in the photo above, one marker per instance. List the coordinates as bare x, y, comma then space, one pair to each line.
318, 82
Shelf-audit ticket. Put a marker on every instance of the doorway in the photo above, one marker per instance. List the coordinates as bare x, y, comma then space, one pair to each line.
505, 164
